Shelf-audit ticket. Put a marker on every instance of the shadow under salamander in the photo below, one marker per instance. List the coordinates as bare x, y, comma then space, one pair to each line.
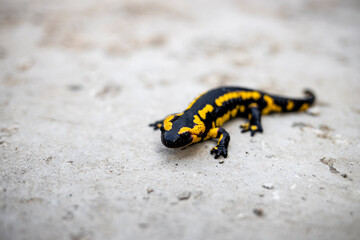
192, 152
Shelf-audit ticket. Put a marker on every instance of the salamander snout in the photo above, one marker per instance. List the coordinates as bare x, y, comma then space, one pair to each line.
175, 140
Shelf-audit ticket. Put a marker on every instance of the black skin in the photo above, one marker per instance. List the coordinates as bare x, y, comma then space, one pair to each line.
253, 108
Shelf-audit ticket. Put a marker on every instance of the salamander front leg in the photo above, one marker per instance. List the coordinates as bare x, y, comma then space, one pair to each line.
156, 125
254, 124
222, 145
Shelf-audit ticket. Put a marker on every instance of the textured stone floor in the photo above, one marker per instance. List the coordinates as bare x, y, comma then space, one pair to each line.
81, 80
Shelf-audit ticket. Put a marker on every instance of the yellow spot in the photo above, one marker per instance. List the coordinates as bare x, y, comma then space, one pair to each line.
245, 125
221, 120
253, 105
208, 108
234, 112
304, 107
250, 116
212, 133
185, 129
271, 106
253, 127
244, 95
195, 100
197, 120
167, 123
221, 136
196, 139
290, 105
242, 108
196, 131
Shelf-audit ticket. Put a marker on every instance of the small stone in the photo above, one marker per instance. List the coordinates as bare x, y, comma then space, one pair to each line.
25, 64
184, 196
301, 125
143, 225
258, 212
109, 90
74, 87
268, 186
48, 160
68, 216
2, 52
325, 128
313, 111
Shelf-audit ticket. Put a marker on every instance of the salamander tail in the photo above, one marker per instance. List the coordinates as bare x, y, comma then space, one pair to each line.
295, 104
310, 96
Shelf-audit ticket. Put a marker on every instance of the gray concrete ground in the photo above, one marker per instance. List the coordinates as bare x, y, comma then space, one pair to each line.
80, 81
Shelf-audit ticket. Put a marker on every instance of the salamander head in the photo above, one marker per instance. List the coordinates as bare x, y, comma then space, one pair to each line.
177, 132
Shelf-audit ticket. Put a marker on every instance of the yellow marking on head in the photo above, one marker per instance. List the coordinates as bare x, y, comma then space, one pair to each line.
167, 123
271, 106
245, 95
207, 109
290, 105
195, 100
185, 129
196, 139
221, 120
304, 107
196, 131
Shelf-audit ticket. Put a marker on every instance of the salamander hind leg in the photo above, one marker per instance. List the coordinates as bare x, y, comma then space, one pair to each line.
254, 124
221, 148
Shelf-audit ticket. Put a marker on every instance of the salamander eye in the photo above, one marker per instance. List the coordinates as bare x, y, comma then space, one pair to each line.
162, 128
186, 134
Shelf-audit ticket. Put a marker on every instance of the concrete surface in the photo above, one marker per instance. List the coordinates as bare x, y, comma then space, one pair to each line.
80, 81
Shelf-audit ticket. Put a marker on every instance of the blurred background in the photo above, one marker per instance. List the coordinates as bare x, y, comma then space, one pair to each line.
80, 81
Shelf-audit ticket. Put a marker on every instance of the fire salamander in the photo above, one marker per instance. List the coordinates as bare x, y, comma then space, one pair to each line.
203, 118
